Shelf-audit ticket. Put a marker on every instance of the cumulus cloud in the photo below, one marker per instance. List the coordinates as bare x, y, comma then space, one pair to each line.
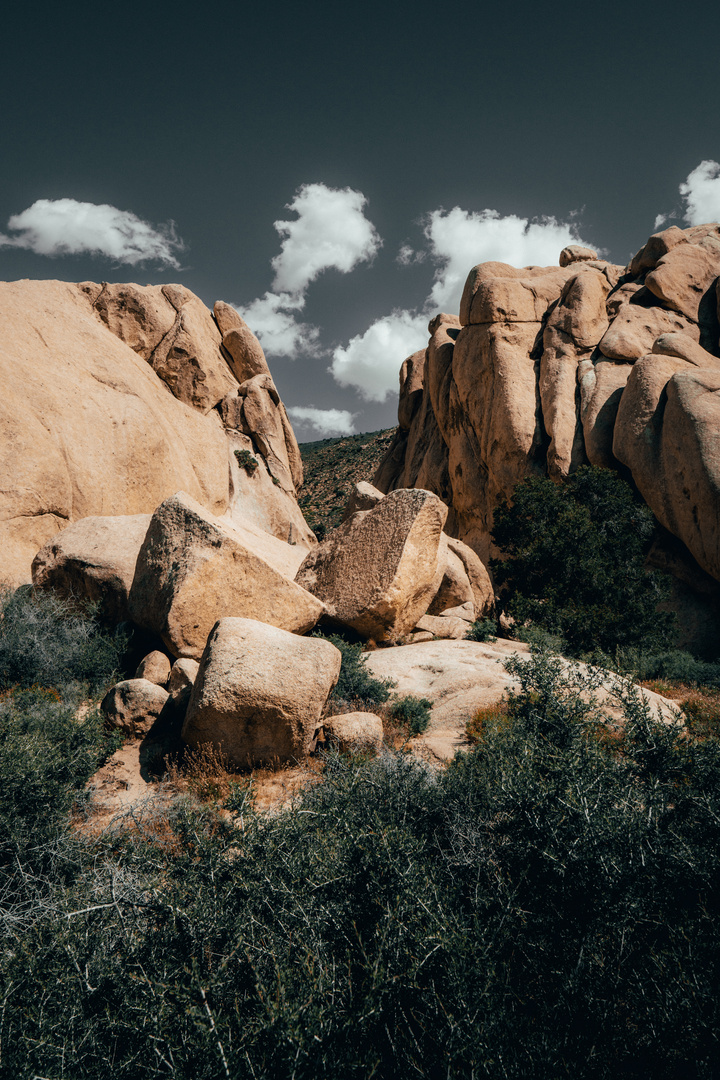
456, 240
272, 318
701, 194
331, 232
370, 362
459, 239
324, 422
67, 227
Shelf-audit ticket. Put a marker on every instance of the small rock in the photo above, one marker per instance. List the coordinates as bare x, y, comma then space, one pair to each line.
183, 674
134, 705
464, 611
355, 731
155, 667
443, 627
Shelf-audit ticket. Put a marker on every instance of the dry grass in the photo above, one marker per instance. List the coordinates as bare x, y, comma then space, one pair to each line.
700, 706
491, 716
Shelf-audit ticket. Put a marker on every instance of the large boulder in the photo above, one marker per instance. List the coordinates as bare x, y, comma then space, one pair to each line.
194, 569
87, 426
260, 692
378, 571
93, 560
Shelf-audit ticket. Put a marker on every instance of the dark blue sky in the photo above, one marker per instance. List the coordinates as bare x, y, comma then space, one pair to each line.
214, 116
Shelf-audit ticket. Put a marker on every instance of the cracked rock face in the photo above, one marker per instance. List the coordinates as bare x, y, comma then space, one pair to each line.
549, 368
112, 401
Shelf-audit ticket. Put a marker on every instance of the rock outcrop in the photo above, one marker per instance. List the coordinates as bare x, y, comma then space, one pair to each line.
113, 400
260, 692
548, 368
194, 568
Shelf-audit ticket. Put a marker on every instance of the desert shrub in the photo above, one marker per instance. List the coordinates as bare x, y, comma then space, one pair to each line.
246, 461
544, 907
486, 719
413, 713
47, 641
482, 630
574, 562
355, 683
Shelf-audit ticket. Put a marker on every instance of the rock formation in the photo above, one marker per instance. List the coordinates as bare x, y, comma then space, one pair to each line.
548, 368
116, 396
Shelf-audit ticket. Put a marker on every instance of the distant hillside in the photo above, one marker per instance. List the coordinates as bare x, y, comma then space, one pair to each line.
332, 467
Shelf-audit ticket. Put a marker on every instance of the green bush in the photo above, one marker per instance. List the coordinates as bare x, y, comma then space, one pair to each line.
548, 906
411, 712
482, 630
246, 461
48, 642
574, 562
355, 683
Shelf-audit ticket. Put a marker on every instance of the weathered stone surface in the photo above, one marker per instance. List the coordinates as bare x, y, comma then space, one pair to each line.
635, 328
601, 384
516, 295
466, 612
443, 626
93, 560
155, 667
455, 588
194, 569
247, 358
658, 245
86, 426
255, 409
460, 677
575, 253
684, 279
378, 572
182, 674
260, 692
134, 705
668, 433
172, 329
358, 731
363, 497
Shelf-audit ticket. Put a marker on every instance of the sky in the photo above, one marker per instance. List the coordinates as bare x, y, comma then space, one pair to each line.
334, 171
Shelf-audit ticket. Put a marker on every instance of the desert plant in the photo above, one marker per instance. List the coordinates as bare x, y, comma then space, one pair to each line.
50, 642
355, 683
246, 461
482, 630
574, 562
413, 713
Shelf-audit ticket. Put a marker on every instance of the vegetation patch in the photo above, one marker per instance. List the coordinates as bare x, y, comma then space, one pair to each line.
246, 461
332, 467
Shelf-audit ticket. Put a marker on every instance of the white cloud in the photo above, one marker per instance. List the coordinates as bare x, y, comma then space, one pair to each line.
701, 194
331, 232
324, 422
407, 255
660, 221
371, 361
271, 318
459, 239
67, 227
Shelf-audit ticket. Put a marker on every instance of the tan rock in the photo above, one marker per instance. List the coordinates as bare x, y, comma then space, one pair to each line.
378, 572
635, 328
355, 732
517, 297
183, 674
255, 409
87, 427
684, 277
466, 612
658, 245
258, 503
155, 667
247, 358
194, 569
93, 560
601, 383
134, 705
443, 626
411, 385
478, 576
172, 329
455, 588
363, 497
260, 692
684, 347
575, 253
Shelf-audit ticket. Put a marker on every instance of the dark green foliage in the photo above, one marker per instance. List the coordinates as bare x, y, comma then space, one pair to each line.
546, 907
411, 712
672, 665
356, 684
482, 630
47, 642
246, 461
573, 562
